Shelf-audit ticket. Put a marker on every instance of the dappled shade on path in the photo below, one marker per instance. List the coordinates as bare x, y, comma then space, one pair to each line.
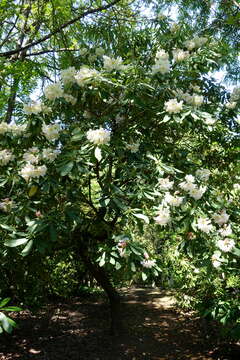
78, 330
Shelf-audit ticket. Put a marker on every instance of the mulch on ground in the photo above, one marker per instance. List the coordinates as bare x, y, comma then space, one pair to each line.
79, 330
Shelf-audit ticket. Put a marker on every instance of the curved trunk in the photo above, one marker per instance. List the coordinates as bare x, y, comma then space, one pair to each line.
114, 298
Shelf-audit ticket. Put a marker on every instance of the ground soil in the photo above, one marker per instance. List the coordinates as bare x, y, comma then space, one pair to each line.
79, 330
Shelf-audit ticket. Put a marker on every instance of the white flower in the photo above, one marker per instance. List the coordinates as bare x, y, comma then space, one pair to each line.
187, 186
68, 75
203, 174
110, 64
226, 230
197, 100
31, 171
99, 136
162, 66
5, 157
173, 106
197, 193
173, 200
17, 129
226, 245
133, 147
6, 205
4, 127
209, 121
199, 41
53, 91
221, 218
51, 132
180, 55
161, 54
216, 260
85, 75
50, 154
165, 183
32, 108
163, 216
30, 157
196, 88
231, 105
236, 187
99, 51
148, 263
190, 178
190, 44
204, 224
70, 98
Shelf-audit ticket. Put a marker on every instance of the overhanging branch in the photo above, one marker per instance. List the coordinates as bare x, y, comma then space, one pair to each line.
57, 30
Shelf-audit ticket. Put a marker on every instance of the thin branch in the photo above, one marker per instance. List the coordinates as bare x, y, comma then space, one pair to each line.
54, 32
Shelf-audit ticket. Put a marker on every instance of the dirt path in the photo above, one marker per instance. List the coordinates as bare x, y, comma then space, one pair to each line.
78, 330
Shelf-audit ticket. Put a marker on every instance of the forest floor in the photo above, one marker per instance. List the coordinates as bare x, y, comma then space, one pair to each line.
78, 330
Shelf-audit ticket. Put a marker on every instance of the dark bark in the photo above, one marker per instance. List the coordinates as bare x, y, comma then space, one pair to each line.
114, 298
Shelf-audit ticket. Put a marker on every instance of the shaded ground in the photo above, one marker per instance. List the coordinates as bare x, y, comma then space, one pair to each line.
78, 330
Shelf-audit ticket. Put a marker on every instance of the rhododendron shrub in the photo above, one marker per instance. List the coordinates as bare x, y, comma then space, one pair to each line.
122, 144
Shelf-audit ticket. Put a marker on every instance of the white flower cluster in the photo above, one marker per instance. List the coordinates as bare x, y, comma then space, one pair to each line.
216, 259
53, 91
165, 184
68, 75
99, 136
163, 216
85, 75
173, 200
6, 205
36, 108
190, 186
50, 154
148, 263
194, 99
226, 244
111, 64
51, 132
204, 224
5, 157
31, 171
121, 246
180, 55
162, 63
195, 43
31, 156
12, 128
221, 218
172, 106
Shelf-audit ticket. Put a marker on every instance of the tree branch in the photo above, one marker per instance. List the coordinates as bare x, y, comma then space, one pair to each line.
54, 32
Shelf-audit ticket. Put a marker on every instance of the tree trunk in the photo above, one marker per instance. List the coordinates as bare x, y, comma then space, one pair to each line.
114, 298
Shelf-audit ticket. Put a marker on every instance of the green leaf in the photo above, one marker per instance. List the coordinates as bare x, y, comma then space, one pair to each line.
144, 276
65, 169
4, 302
12, 308
102, 262
15, 242
118, 265
98, 153
133, 267
235, 251
112, 261
5, 323
27, 248
142, 217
